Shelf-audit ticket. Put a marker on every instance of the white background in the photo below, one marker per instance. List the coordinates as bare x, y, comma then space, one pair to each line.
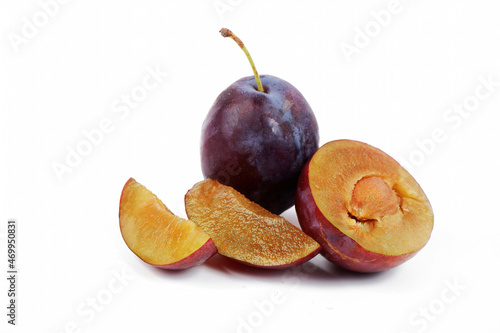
69, 74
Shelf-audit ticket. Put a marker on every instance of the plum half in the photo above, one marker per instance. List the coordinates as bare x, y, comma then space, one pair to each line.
367, 212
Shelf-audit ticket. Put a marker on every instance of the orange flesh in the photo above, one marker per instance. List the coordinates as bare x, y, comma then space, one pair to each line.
152, 231
243, 230
370, 198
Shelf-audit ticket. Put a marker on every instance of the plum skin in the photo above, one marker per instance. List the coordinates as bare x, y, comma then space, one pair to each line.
258, 142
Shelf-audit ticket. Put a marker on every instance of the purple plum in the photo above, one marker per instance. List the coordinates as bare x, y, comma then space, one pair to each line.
259, 141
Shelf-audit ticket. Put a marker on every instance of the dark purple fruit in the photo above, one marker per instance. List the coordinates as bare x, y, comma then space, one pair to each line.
259, 141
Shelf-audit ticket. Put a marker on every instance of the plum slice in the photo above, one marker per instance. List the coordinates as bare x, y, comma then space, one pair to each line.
156, 235
244, 231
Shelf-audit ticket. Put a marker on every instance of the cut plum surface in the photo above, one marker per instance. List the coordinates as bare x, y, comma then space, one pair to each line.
366, 211
244, 231
156, 235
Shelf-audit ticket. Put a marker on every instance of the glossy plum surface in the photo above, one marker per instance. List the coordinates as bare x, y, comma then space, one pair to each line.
258, 142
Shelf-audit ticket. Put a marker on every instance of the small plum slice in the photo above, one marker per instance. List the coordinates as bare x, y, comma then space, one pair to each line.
156, 235
367, 212
244, 231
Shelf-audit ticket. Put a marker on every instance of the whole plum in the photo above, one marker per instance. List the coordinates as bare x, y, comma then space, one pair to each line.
259, 141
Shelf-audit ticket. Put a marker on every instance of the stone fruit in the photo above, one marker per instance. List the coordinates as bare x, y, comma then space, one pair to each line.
244, 231
257, 137
367, 212
156, 235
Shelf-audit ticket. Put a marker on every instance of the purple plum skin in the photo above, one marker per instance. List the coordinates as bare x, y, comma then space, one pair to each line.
258, 142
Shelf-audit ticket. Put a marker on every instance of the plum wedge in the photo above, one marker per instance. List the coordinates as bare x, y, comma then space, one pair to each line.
244, 231
156, 235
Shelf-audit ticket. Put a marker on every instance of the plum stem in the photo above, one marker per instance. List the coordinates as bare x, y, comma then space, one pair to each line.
228, 33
